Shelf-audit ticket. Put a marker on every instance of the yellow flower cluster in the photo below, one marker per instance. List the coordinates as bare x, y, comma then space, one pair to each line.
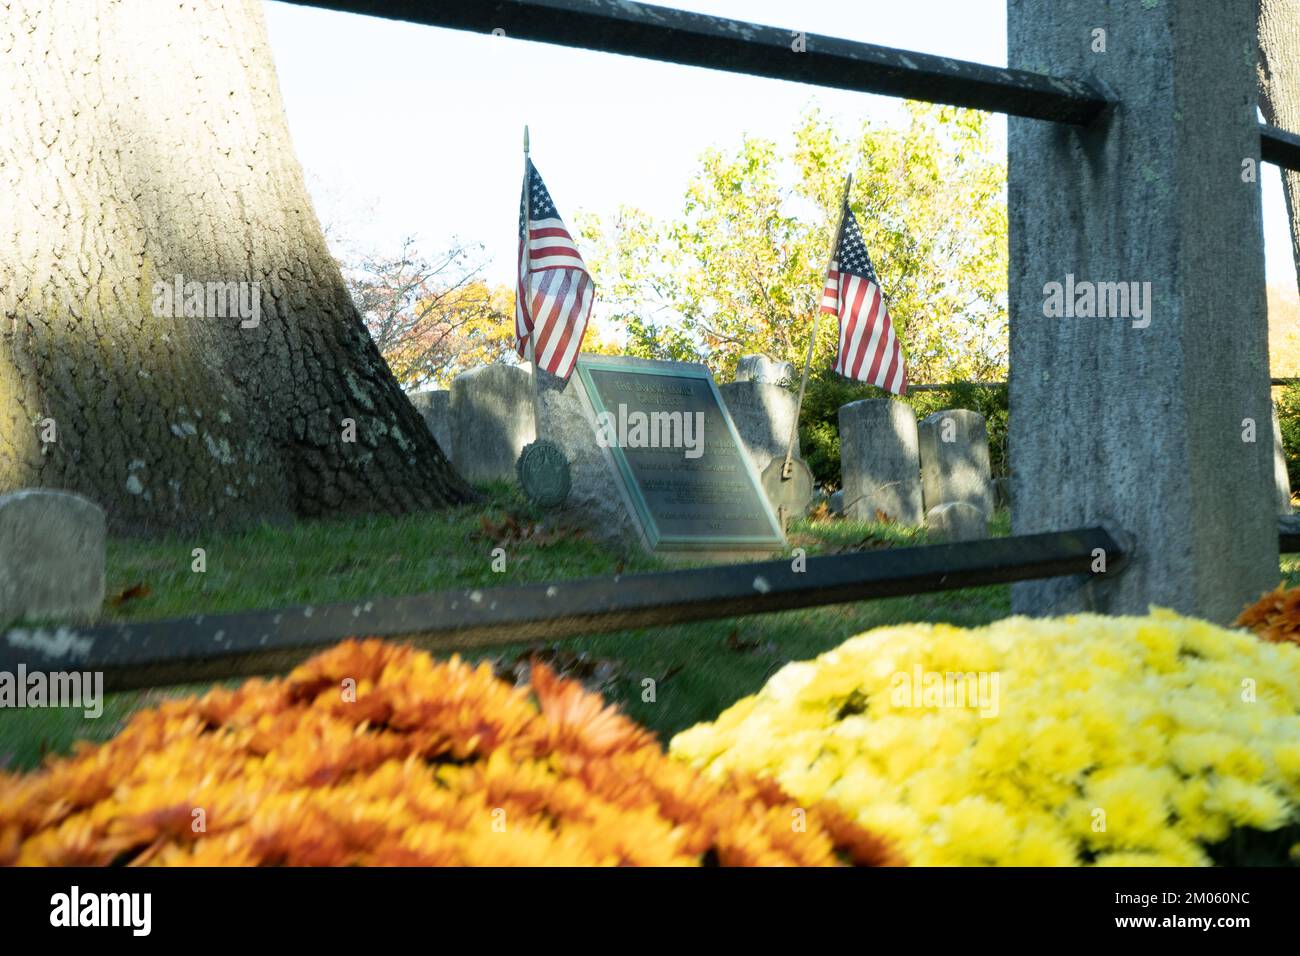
1076, 740
375, 754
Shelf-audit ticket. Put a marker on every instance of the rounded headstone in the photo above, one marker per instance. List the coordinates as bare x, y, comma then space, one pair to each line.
956, 521
879, 464
435, 407
954, 447
763, 370
763, 415
52, 550
491, 421
543, 472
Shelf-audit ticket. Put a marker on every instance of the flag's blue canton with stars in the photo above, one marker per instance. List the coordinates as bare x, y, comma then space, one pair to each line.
555, 293
868, 350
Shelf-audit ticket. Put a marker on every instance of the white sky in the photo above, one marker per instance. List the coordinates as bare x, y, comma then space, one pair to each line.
413, 130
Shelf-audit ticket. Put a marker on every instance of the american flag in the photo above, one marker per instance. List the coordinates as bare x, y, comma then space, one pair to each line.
868, 350
554, 296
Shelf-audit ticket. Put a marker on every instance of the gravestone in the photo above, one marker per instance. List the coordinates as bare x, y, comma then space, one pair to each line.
1281, 480
880, 466
763, 370
762, 415
696, 492
956, 521
954, 453
52, 550
435, 407
491, 421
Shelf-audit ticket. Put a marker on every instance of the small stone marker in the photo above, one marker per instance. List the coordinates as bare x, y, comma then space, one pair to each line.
435, 406
957, 521
682, 488
954, 447
1280, 477
836, 503
763, 370
52, 548
491, 421
879, 461
544, 473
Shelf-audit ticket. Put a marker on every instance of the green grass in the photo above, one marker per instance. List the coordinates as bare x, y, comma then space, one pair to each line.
698, 669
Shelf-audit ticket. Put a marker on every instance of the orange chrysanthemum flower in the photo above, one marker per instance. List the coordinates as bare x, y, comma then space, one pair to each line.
376, 754
1275, 616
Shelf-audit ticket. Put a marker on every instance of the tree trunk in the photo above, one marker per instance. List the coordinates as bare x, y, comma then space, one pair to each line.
1279, 91
142, 140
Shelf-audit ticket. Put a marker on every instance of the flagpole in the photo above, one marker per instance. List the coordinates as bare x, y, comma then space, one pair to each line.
787, 468
532, 333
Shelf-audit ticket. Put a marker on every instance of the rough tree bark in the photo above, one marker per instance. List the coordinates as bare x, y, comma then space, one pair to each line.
142, 140
1279, 91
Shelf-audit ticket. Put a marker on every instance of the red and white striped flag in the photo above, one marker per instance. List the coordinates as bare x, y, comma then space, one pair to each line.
555, 293
868, 349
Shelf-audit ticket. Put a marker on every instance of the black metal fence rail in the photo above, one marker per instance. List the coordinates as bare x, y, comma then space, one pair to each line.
696, 39
212, 647
1278, 146
719, 43
943, 386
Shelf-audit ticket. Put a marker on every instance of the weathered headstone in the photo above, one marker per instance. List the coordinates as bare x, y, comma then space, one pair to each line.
837, 503
491, 421
954, 447
1281, 479
956, 521
763, 415
1137, 418
696, 492
435, 406
52, 551
879, 461
763, 370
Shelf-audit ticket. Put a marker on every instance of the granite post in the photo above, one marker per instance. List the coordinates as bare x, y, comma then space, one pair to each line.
1132, 242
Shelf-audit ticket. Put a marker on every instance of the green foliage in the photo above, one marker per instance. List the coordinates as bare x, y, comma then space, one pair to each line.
741, 270
1288, 415
819, 436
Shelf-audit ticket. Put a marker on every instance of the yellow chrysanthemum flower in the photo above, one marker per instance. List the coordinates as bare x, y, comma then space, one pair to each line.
1085, 739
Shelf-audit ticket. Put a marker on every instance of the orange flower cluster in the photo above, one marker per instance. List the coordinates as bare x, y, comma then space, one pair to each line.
1275, 616
418, 762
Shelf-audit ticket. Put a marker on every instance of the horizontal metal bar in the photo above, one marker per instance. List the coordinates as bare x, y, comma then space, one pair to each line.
212, 647
942, 386
1288, 534
1279, 147
945, 386
695, 39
